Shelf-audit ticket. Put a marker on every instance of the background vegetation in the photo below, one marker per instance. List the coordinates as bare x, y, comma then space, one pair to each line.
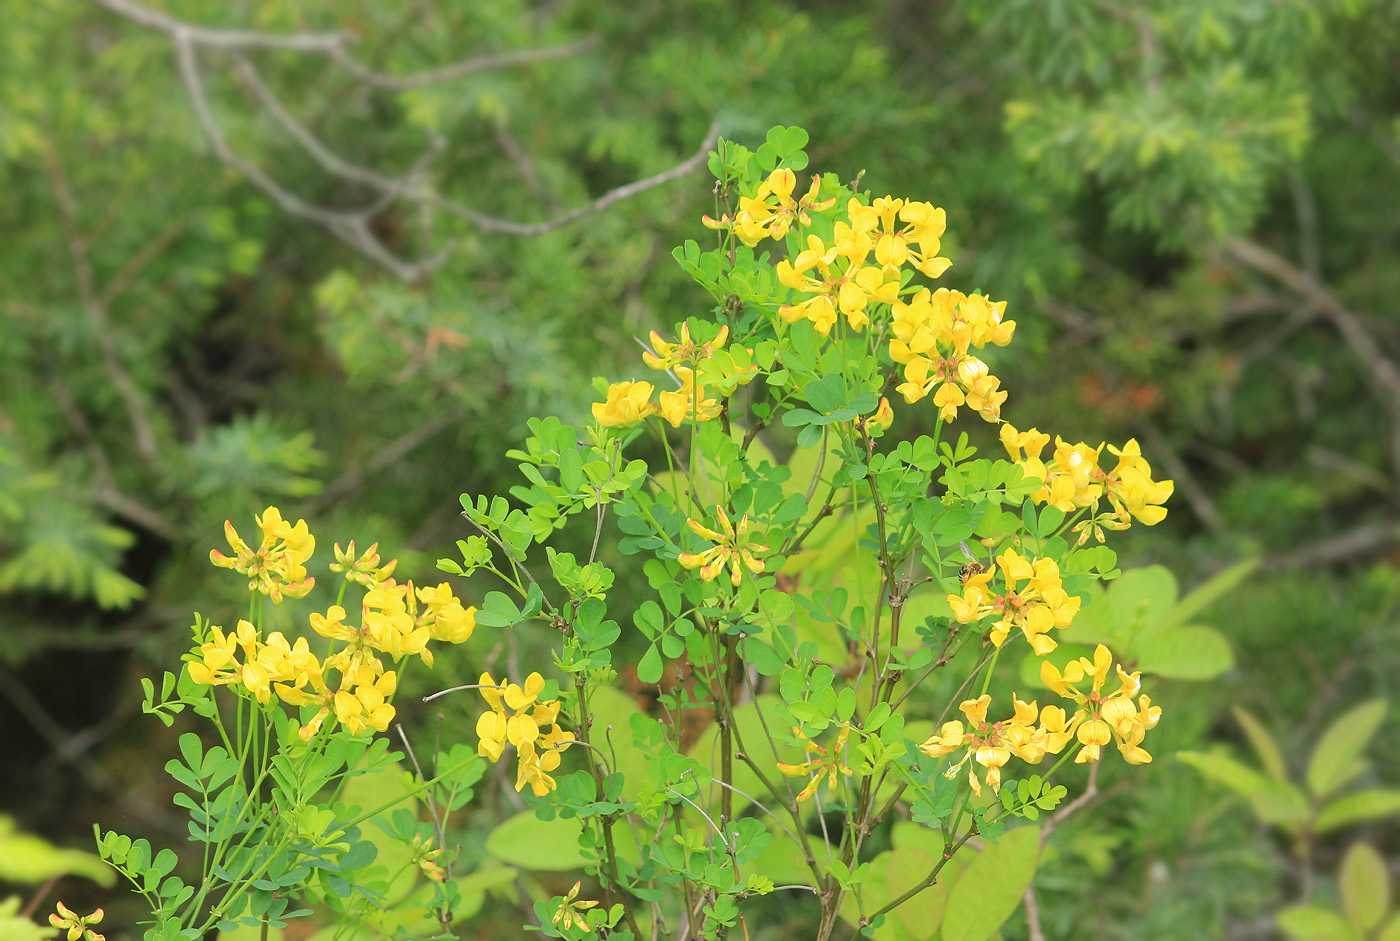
239, 272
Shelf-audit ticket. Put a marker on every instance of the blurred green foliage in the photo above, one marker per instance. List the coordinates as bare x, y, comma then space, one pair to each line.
1186, 203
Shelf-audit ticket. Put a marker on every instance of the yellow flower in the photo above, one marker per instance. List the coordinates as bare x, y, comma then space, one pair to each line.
830, 762
76, 926
734, 549
933, 334
628, 403
917, 240
1034, 608
844, 283
537, 750
570, 913
757, 218
682, 404
990, 745
878, 423
1073, 479
364, 570
682, 352
1099, 718
277, 568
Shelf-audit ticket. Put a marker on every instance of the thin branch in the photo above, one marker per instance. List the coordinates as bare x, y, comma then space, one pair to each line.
354, 226
386, 457
1368, 539
1379, 367
456, 70
1186, 483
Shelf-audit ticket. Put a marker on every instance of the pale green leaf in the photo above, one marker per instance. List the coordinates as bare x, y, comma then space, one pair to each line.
1334, 759
1186, 653
1208, 592
531, 843
30, 860
989, 891
907, 867
1264, 745
1225, 770
1365, 886
1306, 923
1363, 805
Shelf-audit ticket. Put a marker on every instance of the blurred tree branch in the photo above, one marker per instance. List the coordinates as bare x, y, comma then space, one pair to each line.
355, 226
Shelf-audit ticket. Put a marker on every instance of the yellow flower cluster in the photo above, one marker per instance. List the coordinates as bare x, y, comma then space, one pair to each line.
75, 926
278, 567
733, 549
843, 281
630, 402
771, 211
1073, 479
904, 231
933, 334
524, 727
1097, 720
397, 620
1034, 607
572, 911
830, 762
990, 744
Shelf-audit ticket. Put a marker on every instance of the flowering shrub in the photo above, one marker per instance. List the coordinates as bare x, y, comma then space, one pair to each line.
803, 611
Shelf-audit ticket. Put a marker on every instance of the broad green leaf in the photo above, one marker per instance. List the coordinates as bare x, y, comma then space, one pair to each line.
29, 860
1208, 592
1363, 805
531, 843
1264, 745
907, 867
16, 927
1333, 761
1225, 770
1365, 885
1186, 653
989, 891
1140, 600
1306, 923
1391, 931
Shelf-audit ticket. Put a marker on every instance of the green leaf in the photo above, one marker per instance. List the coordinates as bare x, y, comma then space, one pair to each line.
30, 860
1186, 653
650, 666
907, 867
1391, 931
1225, 770
1363, 805
1306, 923
1264, 745
764, 659
989, 891
1334, 760
1365, 885
542, 845
1208, 592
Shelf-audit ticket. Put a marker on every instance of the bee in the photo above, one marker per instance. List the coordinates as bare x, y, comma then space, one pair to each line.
972, 568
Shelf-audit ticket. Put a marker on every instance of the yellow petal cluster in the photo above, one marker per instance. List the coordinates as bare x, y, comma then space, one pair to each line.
518, 717
989, 744
1073, 479
76, 926
1031, 598
1099, 718
628, 403
837, 279
934, 333
823, 761
771, 211
904, 231
277, 568
571, 911
733, 548
395, 620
